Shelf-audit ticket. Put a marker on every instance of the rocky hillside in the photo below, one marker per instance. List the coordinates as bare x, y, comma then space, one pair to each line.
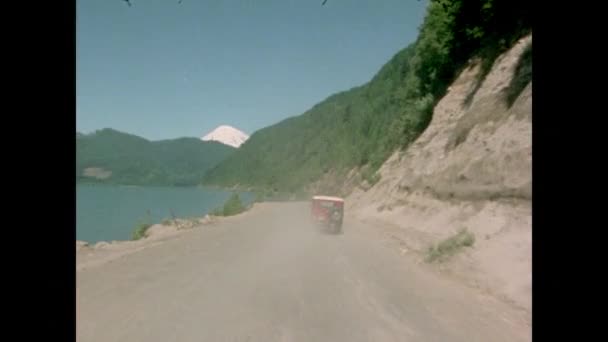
471, 168
342, 141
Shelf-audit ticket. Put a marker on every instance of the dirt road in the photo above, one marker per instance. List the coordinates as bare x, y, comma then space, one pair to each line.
268, 275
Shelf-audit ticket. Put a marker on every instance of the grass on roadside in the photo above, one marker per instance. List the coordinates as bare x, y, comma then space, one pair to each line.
140, 231
450, 246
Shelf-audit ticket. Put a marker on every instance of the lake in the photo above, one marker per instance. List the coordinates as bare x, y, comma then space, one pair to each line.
109, 212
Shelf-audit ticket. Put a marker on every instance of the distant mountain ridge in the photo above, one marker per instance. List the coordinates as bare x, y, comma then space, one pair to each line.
227, 135
111, 156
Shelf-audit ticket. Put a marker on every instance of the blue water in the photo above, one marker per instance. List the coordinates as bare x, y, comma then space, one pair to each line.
107, 212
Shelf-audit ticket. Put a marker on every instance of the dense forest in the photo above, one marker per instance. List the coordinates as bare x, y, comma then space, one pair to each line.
361, 127
122, 158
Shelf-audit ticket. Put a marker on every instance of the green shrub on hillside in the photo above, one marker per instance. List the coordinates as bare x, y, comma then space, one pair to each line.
523, 76
370, 176
450, 246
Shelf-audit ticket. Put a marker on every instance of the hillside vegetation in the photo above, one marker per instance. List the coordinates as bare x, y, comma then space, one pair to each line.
110, 156
345, 130
361, 127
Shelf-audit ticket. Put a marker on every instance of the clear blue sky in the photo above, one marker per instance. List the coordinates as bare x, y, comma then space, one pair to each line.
164, 70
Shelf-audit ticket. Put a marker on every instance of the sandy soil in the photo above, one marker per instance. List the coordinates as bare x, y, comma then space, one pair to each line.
91, 255
268, 275
472, 167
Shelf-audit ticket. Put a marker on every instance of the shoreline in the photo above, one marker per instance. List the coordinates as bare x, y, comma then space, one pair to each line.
160, 227
89, 255
155, 230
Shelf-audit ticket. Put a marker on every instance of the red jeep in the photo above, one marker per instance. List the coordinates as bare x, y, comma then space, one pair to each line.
328, 211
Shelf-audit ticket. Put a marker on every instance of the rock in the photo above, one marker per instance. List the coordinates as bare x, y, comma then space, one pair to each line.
101, 245
81, 244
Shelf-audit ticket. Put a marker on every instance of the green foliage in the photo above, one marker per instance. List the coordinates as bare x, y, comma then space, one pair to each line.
233, 206
140, 231
301, 195
346, 130
259, 196
374, 179
218, 212
450, 246
523, 76
370, 176
137, 161
486, 29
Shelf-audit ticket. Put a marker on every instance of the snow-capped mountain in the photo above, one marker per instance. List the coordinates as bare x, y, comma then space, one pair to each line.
227, 135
